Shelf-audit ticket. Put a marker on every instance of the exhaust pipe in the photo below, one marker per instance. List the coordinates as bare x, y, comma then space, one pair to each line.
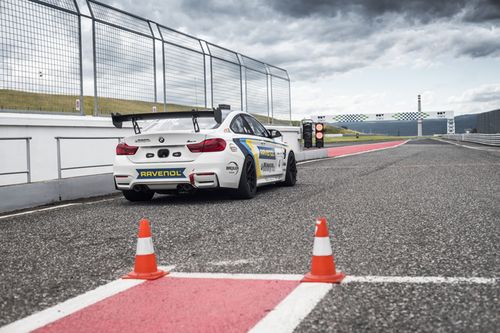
141, 188
185, 188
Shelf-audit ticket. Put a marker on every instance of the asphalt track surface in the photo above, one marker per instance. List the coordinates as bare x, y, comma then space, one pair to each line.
426, 208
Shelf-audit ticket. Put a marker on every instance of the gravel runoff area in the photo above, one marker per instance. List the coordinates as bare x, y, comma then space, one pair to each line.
426, 208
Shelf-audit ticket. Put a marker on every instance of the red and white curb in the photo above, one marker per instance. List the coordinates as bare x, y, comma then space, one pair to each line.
165, 302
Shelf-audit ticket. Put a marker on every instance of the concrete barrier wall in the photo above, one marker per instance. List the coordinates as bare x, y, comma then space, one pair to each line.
77, 165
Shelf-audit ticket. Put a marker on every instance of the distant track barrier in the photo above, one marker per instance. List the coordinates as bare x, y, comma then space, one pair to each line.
484, 139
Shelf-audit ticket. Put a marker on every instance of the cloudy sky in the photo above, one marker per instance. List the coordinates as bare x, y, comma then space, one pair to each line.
355, 56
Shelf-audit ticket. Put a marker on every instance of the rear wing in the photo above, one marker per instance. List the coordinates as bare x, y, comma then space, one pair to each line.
118, 119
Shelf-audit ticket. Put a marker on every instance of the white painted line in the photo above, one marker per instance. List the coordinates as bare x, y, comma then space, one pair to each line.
39, 210
465, 146
283, 277
234, 262
70, 306
293, 309
56, 207
284, 318
353, 154
418, 279
99, 201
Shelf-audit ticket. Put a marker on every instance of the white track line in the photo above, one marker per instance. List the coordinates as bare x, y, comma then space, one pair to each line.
283, 277
56, 207
290, 312
465, 146
68, 307
72, 305
418, 279
284, 318
353, 154
38, 210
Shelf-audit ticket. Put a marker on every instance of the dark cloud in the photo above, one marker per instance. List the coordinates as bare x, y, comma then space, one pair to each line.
418, 10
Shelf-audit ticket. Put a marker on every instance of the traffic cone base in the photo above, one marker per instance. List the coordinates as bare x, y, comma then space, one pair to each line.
145, 276
335, 278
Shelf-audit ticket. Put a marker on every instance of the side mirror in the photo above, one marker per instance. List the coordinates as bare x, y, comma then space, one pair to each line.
274, 134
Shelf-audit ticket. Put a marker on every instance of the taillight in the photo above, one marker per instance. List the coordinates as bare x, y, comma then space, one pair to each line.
207, 146
125, 149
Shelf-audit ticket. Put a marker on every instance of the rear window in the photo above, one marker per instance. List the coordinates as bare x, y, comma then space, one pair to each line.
180, 124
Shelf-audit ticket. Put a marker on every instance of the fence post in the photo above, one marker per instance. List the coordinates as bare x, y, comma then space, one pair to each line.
82, 112
59, 173
28, 158
94, 59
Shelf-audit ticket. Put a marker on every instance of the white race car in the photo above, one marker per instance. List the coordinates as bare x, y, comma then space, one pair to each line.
176, 152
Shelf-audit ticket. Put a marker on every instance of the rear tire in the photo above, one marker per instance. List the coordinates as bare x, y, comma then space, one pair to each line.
291, 171
248, 180
135, 196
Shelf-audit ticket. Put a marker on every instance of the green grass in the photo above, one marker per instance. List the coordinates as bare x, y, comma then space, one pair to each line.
363, 138
28, 101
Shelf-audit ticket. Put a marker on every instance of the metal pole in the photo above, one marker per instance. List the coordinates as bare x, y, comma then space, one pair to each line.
59, 172
267, 97
96, 106
28, 158
82, 112
154, 68
241, 87
289, 98
272, 104
211, 80
164, 77
204, 73
246, 90
419, 119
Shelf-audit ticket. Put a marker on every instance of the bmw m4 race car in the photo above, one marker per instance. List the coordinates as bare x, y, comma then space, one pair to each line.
176, 152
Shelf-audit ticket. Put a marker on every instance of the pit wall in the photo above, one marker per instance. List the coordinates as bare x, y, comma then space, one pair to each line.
68, 157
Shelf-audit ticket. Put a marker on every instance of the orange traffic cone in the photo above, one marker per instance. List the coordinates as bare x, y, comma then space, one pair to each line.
145, 260
323, 265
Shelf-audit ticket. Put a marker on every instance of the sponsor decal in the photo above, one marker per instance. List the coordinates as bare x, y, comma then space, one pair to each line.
232, 168
266, 153
161, 173
233, 148
161, 139
267, 167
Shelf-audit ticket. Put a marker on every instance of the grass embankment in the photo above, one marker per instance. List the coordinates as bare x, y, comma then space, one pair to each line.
28, 101
363, 138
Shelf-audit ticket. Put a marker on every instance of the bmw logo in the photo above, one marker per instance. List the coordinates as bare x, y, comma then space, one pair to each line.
161, 139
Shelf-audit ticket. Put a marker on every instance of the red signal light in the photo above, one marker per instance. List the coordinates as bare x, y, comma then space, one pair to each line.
319, 127
319, 135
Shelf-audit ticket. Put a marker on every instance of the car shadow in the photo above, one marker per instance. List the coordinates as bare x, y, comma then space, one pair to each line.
201, 197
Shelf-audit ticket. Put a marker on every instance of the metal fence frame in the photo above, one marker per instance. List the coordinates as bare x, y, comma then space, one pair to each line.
206, 49
28, 158
60, 169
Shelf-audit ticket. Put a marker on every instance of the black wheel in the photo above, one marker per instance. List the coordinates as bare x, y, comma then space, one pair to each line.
248, 180
134, 196
291, 171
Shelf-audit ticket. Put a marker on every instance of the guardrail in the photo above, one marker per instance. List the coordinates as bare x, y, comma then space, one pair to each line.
28, 159
60, 169
484, 139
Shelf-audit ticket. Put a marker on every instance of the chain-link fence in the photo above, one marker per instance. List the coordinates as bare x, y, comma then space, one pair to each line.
136, 65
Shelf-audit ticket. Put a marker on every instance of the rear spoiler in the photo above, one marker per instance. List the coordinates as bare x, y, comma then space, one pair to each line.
118, 119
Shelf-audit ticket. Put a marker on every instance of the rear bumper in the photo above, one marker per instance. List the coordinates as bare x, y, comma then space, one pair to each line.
206, 172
